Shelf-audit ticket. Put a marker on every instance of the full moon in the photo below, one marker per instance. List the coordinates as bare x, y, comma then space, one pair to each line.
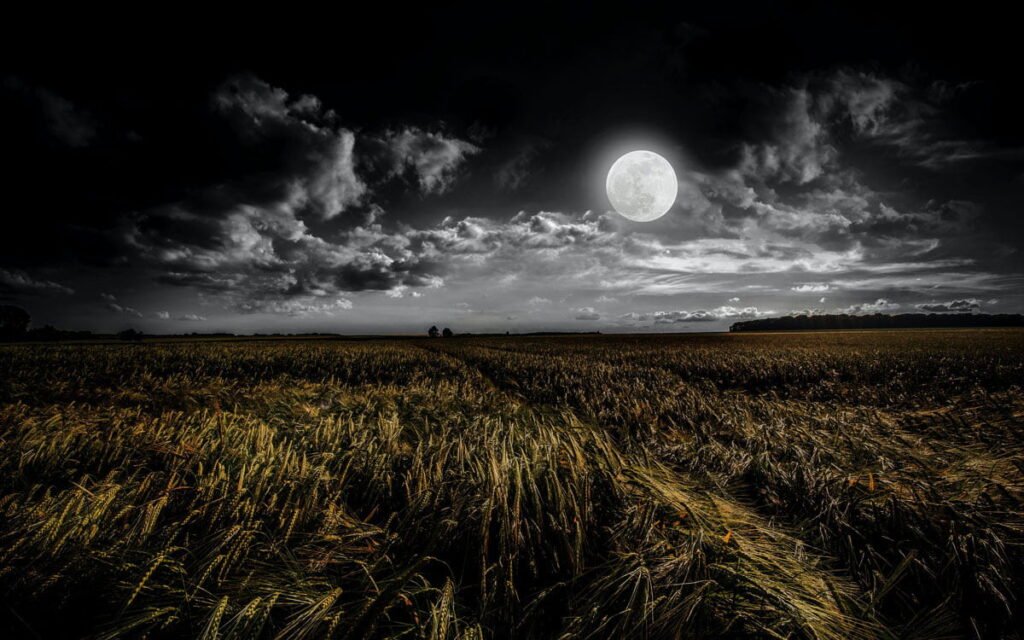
642, 186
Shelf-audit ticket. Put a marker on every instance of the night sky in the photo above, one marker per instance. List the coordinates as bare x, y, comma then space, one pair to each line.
296, 169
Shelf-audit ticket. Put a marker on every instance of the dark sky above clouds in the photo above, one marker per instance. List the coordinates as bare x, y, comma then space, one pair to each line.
380, 172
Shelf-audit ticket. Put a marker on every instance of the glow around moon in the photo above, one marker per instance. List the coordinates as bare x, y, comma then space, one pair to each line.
642, 186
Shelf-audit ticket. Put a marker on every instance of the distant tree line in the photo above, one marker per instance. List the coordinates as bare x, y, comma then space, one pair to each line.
880, 321
13, 321
14, 326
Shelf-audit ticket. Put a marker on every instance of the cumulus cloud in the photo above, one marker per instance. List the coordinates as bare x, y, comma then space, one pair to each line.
816, 311
852, 215
799, 129
790, 191
698, 315
432, 157
810, 287
255, 259
402, 291
797, 148
866, 99
185, 317
315, 174
881, 305
258, 239
14, 282
965, 305
295, 307
309, 231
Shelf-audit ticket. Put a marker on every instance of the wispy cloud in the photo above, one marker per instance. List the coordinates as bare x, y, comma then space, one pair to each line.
15, 282
117, 308
966, 305
880, 305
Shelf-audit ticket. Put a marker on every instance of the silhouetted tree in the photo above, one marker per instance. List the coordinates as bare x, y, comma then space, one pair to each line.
433, 332
130, 335
46, 332
447, 333
13, 321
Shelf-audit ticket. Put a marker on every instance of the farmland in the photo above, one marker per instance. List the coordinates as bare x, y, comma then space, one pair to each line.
807, 485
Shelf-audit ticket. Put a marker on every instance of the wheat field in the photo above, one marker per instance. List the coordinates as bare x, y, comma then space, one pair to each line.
818, 485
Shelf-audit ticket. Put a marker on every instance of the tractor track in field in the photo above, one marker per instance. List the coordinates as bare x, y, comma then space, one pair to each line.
488, 381
745, 492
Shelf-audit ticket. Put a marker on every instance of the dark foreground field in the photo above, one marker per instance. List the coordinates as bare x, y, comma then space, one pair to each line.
834, 485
